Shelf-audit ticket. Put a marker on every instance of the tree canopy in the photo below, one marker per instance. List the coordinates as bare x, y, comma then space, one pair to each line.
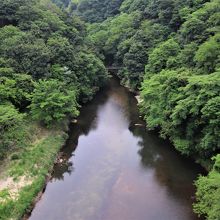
42, 51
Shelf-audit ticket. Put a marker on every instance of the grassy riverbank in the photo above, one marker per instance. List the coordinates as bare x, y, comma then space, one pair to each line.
23, 173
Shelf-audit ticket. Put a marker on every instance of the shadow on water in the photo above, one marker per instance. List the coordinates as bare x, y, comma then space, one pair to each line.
85, 123
114, 169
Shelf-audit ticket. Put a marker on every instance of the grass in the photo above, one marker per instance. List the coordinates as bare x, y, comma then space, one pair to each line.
26, 169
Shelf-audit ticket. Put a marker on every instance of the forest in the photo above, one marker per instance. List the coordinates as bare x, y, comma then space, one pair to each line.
53, 58
43, 52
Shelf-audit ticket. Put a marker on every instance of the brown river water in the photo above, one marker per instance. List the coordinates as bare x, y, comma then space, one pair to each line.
114, 169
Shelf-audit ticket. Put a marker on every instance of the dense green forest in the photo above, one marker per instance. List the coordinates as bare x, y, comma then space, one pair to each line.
45, 65
46, 71
52, 60
170, 51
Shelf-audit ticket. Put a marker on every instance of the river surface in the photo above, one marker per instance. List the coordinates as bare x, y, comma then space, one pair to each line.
114, 169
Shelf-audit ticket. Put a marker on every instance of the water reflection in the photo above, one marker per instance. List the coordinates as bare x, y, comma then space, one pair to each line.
85, 123
114, 170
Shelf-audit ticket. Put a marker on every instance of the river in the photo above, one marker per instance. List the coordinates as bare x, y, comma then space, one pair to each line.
112, 168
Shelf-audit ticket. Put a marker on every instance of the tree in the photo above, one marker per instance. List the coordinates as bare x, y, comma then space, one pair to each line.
208, 55
51, 101
163, 56
208, 193
25, 53
62, 50
9, 116
10, 119
136, 52
16, 88
91, 75
190, 116
97, 11
186, 56
8, 10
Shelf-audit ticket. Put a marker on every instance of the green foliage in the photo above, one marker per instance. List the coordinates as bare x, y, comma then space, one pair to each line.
9, 116
96, 11
134, 52
208, 55
15, 87
45, 49
157, 91
8, 10
91, 75
192, 29
45, 43
129, 6
112, 32
158, 35
175, 34
186, 56
208, 193
190, 116
13, 136
52, 102
44, 36
163, 56
62, 3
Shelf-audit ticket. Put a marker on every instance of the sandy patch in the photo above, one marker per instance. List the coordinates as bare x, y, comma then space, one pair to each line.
14, 186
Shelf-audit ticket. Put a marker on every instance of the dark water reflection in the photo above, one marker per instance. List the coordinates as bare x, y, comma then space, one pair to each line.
114, 170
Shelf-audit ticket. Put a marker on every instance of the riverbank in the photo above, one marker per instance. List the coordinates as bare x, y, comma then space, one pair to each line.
24, 173
117, 170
